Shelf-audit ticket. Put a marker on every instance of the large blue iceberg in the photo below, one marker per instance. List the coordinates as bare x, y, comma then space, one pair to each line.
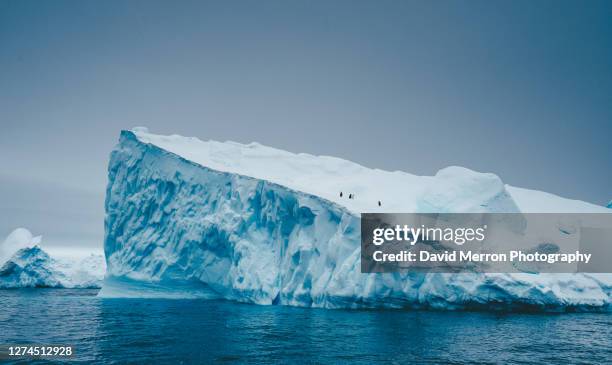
187, 218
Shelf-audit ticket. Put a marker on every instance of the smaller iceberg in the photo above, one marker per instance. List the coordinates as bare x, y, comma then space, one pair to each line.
29, 266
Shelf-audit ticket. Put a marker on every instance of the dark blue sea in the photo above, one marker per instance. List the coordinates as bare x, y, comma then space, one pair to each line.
197, 331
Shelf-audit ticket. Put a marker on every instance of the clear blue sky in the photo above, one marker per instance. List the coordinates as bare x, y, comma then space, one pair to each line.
519, 88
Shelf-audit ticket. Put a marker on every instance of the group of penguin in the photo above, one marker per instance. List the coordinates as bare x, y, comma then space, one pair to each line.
351, 196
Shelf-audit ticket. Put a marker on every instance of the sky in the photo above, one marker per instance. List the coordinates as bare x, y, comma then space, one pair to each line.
519, 88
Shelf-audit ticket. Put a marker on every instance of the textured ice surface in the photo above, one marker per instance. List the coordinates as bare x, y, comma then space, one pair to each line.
255, 224
30, 266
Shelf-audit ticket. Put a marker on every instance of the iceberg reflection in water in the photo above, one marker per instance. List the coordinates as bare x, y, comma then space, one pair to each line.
201, 331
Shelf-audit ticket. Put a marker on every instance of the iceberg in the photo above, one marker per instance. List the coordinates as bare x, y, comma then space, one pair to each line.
32, 267
246, 222
29, 268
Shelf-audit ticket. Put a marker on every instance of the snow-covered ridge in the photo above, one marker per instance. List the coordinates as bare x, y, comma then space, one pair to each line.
452, 189
188, 218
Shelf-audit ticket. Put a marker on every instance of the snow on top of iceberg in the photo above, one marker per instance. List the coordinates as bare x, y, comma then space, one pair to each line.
542, 202
453, 189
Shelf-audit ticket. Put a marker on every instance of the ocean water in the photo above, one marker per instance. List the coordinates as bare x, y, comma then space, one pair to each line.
198, 331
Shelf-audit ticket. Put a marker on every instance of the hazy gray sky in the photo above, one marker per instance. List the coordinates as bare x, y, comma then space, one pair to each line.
519, 88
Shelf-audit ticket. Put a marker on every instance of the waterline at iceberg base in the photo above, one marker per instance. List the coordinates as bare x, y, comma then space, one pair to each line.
186, 218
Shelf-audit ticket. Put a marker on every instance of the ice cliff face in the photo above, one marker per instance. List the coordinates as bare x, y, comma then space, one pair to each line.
31, 267
255, 224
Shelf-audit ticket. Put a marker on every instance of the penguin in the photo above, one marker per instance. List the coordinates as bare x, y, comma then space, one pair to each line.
341, 194
350, 196
379, 203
